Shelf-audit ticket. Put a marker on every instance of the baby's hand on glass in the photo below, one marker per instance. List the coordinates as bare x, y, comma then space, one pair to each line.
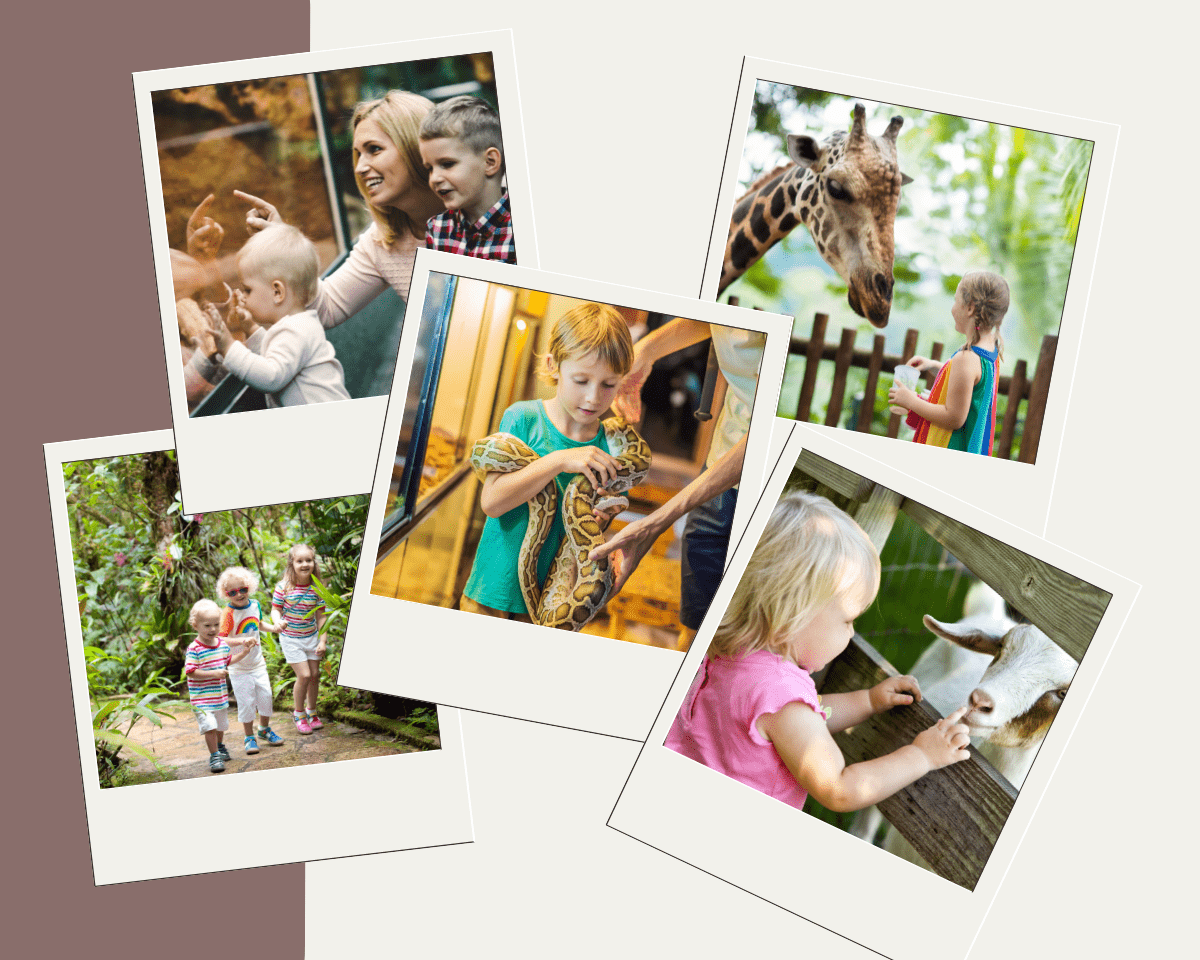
216, 327
894, 692
946, 742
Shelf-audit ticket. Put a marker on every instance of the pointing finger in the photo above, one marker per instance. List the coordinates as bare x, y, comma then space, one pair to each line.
958, 714
200, 212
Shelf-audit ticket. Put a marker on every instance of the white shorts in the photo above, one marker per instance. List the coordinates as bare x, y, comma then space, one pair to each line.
212, 719
252, 690
299, 649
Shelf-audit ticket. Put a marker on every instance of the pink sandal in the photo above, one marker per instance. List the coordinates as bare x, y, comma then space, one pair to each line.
314, 722
302, 724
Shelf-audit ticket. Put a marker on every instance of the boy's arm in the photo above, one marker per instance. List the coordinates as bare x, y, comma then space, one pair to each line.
241, 654
802, 740
209, 674
270, 372
503, 491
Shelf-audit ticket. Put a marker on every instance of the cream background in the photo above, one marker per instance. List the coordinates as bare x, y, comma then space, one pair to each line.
626, 115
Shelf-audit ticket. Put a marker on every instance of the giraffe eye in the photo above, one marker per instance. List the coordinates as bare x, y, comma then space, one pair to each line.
837, 191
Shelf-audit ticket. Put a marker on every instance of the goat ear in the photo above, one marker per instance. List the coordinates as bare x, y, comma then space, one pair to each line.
803, 149
970, 636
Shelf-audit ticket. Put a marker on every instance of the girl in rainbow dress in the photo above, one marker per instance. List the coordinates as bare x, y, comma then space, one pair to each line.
960, 413
298, 615
241, 623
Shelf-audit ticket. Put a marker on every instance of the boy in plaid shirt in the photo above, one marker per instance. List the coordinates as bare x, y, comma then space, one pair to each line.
464, 156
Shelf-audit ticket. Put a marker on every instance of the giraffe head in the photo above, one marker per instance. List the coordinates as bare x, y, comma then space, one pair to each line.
846, 190
849, 205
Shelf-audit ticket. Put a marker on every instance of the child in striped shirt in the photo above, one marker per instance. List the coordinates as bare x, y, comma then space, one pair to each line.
299, 615
206, 665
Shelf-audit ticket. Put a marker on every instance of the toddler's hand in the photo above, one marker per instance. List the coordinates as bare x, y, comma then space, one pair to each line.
216, 326
599, 467
946, 742
894, 692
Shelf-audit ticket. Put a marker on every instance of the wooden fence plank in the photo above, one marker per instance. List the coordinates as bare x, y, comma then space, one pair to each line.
953, 816
866, 411
1009, 428
1039, 390
1066, 608
837, 394
816, 342
836, 477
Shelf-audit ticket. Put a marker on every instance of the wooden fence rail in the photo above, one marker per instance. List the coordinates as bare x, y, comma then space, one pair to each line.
952, 816
1018, 387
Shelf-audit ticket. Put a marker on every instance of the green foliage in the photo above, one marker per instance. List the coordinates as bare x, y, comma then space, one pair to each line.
113, 718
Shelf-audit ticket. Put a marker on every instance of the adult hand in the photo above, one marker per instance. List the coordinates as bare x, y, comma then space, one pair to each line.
260, 213
189, 275
204, 234
627, 548
628, 402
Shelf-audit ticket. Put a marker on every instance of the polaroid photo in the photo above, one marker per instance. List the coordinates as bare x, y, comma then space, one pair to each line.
773, 768
365, 154
477, 565
203, 650
947, 238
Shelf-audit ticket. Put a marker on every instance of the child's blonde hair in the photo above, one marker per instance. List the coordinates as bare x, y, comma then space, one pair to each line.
281, 252
986, 295
810, 553
586, 329
202, 606
399, 113
469, 119
231, 575
289, 574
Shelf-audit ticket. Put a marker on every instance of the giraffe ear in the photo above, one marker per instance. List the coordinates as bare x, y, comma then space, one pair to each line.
803, 149
905, 179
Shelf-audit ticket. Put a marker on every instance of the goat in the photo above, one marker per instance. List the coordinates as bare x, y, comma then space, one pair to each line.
1012, 676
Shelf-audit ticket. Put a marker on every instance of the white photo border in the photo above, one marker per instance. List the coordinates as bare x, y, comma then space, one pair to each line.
354, 800
793, 860
1022, 491
347, 431
513, 669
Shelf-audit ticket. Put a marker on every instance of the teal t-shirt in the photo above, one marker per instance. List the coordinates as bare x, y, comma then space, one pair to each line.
493, 581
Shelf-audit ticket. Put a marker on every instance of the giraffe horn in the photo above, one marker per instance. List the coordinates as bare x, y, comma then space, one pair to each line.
893, 128
858, 129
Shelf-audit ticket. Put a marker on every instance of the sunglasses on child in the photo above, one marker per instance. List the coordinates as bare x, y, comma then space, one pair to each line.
238, 592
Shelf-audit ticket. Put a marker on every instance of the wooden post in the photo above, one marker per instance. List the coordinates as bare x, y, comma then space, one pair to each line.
1039, 390
910, 349
952, 816
837, 395
812, 360
1016, 390
866, 413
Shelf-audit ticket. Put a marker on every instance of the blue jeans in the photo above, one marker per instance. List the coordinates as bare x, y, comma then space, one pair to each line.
702, 564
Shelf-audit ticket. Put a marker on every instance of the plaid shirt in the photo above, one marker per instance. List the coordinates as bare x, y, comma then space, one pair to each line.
489, 238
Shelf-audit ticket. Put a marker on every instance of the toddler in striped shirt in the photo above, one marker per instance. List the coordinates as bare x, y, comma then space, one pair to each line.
206, 665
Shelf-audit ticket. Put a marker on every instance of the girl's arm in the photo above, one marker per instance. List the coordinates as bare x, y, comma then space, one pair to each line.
321, 617
852, 708
670, 337
277, 621
241, 654
802, 740
504, 491
964, 374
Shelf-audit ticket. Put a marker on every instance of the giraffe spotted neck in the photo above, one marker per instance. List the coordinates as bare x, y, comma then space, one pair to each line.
845, 191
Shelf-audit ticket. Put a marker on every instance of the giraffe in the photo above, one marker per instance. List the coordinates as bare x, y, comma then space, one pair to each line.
845, 191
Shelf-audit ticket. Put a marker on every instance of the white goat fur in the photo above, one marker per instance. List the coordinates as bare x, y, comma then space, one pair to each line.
1012, 667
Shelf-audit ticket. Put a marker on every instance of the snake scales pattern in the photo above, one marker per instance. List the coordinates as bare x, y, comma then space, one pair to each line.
576, 588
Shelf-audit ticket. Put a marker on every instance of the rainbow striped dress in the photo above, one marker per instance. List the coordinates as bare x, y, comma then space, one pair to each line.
976, 435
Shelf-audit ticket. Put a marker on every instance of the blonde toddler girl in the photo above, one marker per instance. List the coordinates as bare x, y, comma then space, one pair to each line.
753, 712
298, 615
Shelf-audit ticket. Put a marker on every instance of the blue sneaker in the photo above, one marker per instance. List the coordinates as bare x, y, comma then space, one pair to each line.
272, 738
251, 745
222, 751
215, 763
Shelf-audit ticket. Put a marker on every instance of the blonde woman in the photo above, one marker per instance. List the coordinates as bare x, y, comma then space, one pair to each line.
395, 186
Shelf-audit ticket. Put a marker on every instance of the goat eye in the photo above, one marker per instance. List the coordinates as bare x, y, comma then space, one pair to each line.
837, 191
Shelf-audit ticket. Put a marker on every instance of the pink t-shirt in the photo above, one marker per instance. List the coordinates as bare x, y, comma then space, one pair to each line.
716, 723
